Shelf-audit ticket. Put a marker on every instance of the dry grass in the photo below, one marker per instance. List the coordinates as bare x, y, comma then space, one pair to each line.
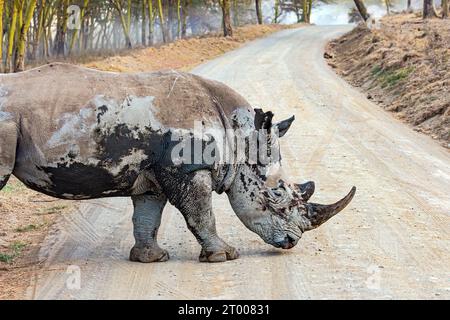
404, 66
26, 218
183, 54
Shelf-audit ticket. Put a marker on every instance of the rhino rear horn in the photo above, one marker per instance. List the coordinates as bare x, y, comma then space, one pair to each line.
317, 214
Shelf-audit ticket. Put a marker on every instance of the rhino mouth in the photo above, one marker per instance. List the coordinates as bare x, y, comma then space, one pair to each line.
288, 242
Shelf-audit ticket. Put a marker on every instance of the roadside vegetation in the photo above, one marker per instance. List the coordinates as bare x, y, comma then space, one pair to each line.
27, 217
403, 64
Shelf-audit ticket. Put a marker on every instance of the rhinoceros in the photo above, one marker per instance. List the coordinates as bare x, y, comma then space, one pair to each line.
77, 133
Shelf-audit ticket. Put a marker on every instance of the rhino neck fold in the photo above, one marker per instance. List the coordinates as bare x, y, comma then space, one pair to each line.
225, 177
244, 196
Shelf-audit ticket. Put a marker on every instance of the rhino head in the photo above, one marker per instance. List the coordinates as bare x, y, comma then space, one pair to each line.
278, 211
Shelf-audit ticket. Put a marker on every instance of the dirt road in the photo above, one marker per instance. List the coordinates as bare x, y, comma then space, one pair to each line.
393, 241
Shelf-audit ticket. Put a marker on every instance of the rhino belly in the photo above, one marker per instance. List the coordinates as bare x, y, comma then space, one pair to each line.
77, 180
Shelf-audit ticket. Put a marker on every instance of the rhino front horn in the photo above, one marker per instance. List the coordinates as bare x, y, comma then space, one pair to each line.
319, 213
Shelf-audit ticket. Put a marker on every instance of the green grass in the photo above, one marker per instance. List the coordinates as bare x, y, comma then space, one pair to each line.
27, 228
389, 78
13, 187
8, 188
52, 210
6, 257
15, 249
376, 70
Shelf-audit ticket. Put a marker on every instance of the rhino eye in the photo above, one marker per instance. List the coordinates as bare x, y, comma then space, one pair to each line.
277, 193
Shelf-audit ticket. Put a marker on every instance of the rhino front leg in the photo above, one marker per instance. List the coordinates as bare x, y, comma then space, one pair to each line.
192, 195
146, 221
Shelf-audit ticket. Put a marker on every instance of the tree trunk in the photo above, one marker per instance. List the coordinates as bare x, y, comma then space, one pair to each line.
429, 10
161, 21
126, 23
304, 11
178, 18
2, 4
48, 44
9, 64
235, 13
143, 25
258, 11
21, 44
409, 6
184, 18
277, 10
308, 14
171, 19
227, 28
60, 40
129, 16
151, 22
38, 34
388, 6
444, 9
362, 9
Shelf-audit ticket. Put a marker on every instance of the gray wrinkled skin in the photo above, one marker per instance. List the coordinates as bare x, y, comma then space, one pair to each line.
76, 133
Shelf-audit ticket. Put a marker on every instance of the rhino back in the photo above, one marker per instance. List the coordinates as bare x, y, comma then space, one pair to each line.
78, 123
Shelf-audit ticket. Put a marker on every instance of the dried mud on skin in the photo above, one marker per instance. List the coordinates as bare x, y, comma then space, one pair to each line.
27, 216
404, 65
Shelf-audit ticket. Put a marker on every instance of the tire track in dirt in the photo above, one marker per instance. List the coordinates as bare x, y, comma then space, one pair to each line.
393, 241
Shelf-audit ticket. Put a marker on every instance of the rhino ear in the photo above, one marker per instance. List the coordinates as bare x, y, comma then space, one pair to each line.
263, 120
283, 126
306, 190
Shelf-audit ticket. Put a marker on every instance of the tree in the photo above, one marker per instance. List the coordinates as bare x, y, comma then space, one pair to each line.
21, 43
2, 5
126, 23
277, 11
143, 26
409, 6
226, 18
301, 8
161, 21
444, 9
258, 11
306, 11
9, 63
429, 11
61, 28
183, 18
388, 6
151, 22
362, 9
38, 29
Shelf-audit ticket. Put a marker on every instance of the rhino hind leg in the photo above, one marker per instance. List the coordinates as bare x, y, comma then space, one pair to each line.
192, 194
146, 221
8, 145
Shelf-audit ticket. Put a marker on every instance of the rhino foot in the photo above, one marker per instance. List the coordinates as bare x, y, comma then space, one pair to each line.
229, 253
148, 254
